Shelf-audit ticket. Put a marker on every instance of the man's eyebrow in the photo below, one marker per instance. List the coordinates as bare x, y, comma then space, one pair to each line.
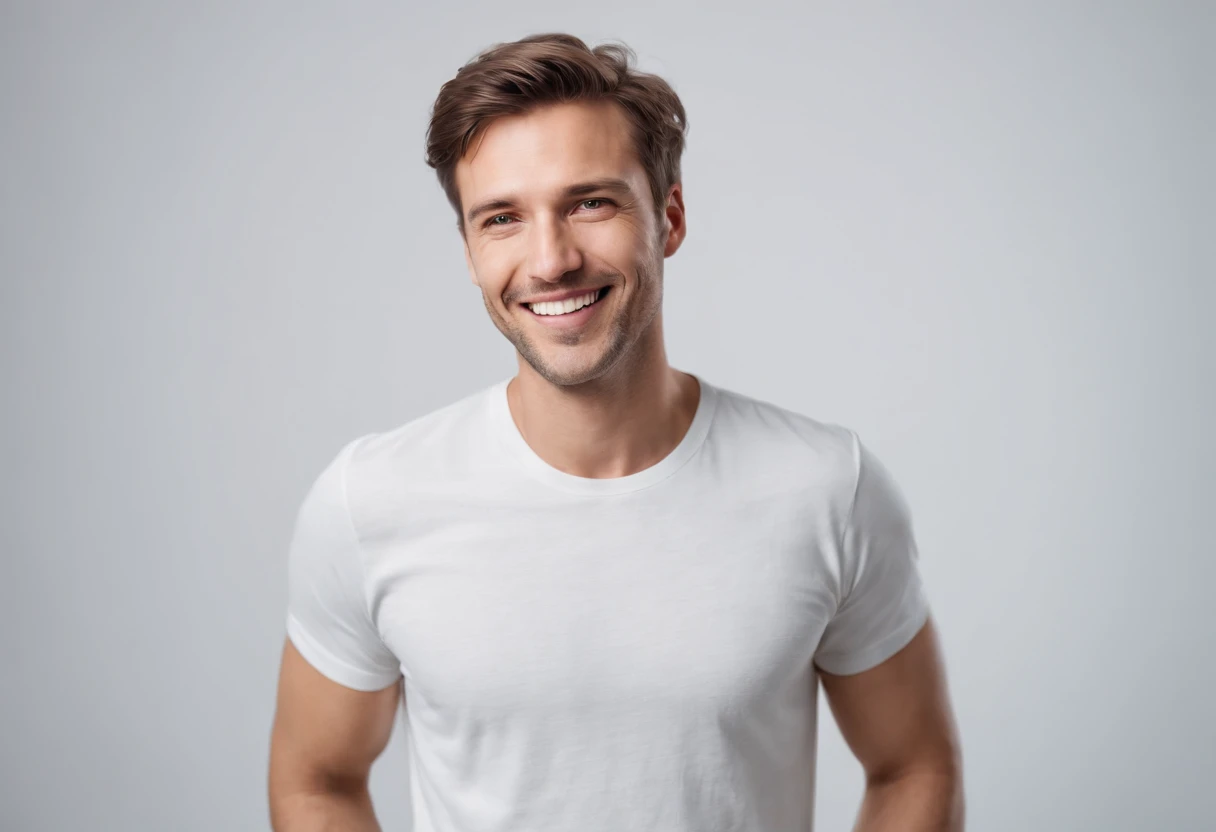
592, 186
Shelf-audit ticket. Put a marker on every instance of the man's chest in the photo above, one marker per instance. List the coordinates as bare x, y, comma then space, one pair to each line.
716, 606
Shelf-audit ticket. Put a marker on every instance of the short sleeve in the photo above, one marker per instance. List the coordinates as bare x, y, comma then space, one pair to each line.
328, 619
883, 603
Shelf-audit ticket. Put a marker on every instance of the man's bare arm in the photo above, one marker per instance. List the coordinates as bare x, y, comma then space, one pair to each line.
324, 741
898, 721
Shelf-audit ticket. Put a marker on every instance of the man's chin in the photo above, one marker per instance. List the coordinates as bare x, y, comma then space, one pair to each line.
564, 375
569, 365
577, 366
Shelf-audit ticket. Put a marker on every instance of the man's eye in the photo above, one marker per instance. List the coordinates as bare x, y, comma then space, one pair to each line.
590, 204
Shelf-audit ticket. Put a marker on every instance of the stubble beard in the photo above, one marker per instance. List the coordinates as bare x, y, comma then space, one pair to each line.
626, 328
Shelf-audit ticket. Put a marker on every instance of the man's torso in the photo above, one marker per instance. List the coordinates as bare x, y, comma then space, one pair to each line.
646, 650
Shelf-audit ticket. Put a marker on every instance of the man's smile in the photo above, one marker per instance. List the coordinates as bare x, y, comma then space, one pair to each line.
572, 311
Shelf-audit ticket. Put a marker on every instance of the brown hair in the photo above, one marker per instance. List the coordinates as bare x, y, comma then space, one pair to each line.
512, 78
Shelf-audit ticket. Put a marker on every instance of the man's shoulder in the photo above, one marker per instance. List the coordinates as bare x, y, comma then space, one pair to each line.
751, 420
783, 454
431, 429
440, 442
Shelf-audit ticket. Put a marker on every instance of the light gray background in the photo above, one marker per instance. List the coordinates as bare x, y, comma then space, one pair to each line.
982, 238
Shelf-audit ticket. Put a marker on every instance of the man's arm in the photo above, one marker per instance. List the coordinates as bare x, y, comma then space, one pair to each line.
324, 741
897, 719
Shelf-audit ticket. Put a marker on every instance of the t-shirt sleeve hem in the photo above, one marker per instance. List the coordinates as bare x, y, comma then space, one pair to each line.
852, 663
332, 667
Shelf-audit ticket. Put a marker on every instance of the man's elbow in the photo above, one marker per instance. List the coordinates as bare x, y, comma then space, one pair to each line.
308, 797
345, 806
930, 789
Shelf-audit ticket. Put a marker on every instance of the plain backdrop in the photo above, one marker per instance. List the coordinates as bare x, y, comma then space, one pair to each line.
979, 234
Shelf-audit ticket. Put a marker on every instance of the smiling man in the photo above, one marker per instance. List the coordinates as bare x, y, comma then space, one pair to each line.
605, 590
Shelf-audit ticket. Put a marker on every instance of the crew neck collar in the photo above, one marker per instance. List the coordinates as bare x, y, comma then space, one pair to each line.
684, 450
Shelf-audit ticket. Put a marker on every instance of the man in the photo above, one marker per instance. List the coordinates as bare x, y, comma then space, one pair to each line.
605, 588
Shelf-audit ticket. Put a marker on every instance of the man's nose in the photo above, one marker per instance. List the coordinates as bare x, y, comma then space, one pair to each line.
552, 250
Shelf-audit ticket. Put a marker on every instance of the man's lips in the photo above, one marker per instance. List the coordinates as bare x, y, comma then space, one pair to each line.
573, 293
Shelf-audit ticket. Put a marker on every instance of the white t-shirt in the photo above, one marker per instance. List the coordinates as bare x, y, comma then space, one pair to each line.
605, 654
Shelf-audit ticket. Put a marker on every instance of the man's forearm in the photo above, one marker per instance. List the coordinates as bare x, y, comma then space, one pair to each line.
921, 801
348, 811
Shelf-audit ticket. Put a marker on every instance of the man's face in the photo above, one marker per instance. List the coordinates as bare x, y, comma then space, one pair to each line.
557, 205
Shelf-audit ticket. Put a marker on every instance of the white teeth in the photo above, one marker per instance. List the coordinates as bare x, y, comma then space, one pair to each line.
563, 307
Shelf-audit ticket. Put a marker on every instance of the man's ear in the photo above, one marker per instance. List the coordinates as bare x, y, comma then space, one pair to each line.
675, 219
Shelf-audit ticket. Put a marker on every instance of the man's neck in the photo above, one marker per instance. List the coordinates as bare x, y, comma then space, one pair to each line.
613, 427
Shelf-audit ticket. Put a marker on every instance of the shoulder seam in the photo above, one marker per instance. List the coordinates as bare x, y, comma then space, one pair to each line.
354, 533
848, 520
